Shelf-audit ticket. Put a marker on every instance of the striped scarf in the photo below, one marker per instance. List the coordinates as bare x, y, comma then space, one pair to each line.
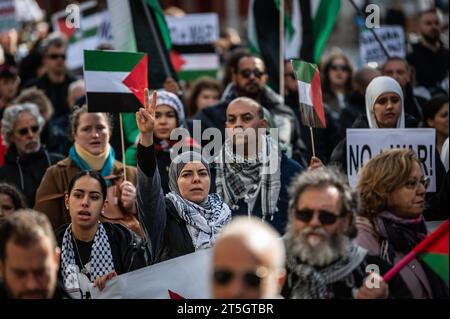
246, 178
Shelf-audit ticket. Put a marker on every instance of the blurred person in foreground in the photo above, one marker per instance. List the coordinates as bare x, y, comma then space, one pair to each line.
248, 261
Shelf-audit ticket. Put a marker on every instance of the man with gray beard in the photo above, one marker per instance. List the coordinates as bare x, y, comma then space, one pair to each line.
27, 159
322, 262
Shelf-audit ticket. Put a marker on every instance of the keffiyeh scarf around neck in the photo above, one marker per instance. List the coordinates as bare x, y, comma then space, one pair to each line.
203, 221
101, 261
244, 178
307, 282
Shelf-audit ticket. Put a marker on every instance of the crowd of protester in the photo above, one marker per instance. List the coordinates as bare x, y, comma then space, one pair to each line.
92, 218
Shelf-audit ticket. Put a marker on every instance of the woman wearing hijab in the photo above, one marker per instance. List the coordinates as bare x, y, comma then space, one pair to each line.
384, 109
93, 252
186, 219
91, 151
169, 115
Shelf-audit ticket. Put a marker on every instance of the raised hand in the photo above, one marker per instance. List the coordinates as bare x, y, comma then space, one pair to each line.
128, 196
145, 119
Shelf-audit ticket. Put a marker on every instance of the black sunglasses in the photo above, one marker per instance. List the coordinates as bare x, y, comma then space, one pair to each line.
24, 131
55, 56
246, 73
325, 217
336, 67
251, 279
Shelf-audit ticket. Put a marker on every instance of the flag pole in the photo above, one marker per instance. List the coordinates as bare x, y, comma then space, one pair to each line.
361, 13
123, 149
281, 52
312, 141
155, 36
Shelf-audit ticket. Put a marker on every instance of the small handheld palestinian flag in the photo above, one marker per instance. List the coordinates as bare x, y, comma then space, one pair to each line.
310, 94
115, 81
433, 251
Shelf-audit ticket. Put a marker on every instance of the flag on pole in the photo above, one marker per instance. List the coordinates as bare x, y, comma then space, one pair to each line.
310, 94
324, 14
115, 81
132, 32
433, 251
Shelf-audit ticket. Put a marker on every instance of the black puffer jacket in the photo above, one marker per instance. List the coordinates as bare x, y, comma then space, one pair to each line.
167, 235
26, 172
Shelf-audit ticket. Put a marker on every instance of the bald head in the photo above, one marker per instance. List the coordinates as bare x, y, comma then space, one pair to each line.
248, 248
363, 77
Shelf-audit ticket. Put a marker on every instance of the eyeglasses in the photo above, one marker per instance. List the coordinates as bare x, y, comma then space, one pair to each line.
325, 217
246, 73
55, 56
340, 67
251, 279
24, 131
414, 183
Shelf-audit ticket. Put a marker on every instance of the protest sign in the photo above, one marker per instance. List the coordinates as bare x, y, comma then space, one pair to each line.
393, 38
363, 144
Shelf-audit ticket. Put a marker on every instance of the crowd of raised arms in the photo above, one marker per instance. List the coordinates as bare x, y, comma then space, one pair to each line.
276, 210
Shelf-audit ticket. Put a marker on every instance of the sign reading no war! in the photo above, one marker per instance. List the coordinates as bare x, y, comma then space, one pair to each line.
363, 144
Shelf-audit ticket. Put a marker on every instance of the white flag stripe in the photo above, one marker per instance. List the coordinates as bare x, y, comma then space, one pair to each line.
105, 82
304, 91
200, 61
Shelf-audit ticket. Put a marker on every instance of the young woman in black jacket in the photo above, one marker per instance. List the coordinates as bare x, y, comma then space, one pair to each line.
93, 252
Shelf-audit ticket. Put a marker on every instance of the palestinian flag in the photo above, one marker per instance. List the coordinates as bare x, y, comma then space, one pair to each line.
134, 34
324, 14
308, 25
193, 53
115, 81
433, 250
310, 94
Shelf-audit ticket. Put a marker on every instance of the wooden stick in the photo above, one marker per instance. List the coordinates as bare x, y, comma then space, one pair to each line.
123, 149
312, 141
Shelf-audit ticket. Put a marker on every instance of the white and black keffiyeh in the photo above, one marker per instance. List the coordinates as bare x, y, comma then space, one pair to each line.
101, 261
203, 222
310, 283
238, 178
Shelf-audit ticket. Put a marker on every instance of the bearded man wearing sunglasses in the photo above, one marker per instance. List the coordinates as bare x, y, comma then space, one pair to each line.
322, 261
27, 159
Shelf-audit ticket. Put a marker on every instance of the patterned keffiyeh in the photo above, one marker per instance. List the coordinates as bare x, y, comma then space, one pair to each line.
101, 261
311, 283
239, 178
203, 221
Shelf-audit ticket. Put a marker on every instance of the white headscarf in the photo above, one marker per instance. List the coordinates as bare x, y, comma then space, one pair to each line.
379, 86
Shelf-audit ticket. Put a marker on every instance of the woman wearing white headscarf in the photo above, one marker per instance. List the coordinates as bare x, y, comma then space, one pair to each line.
186, 219
384, 109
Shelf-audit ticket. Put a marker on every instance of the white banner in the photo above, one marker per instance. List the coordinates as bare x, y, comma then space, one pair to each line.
363, 144
194, 29
393, 38
186, 277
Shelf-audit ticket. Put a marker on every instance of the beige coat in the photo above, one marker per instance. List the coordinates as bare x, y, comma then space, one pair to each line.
51, 191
